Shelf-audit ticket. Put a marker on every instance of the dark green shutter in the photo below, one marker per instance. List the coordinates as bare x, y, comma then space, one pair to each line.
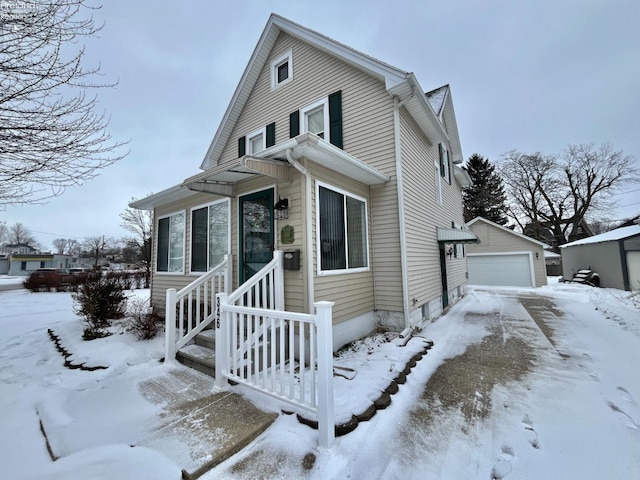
162, 256
335, 118
449, 172
441, 151
242, 145
294, 124
271, 134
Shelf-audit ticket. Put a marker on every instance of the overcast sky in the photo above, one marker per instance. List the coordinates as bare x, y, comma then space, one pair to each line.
531, 75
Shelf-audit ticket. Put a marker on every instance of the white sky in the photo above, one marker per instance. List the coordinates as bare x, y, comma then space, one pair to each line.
529, 75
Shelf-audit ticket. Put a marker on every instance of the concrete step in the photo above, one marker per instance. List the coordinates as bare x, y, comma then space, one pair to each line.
198, 357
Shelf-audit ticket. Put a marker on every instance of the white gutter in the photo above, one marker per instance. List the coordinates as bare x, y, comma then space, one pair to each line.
403, 242
308, 227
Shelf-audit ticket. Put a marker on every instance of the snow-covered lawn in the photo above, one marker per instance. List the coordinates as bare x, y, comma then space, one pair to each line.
579, 405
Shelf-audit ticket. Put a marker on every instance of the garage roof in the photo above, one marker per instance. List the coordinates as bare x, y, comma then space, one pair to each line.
614, 235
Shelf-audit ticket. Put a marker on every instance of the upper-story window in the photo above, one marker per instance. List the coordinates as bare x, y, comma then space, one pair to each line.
256, 141
281, 70
445, 164
323, 118
170, 256
315, 119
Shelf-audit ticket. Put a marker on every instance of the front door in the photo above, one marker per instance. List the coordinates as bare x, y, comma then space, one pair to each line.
256, 232
443, 276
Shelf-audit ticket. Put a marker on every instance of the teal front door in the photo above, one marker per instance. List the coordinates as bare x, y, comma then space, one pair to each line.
256, 232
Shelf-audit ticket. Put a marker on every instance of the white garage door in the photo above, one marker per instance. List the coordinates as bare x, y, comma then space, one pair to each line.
512, 270
633, 265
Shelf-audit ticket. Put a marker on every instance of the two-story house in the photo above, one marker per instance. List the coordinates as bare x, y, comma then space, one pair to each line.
342, 161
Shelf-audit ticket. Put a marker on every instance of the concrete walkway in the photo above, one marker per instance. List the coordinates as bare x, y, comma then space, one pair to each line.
200, 429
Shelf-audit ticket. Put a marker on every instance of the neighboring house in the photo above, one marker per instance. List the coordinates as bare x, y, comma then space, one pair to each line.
504, 257
614, 256
22, 264
340, 160
17, 248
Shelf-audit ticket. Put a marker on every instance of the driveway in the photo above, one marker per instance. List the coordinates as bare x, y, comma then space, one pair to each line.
510, 390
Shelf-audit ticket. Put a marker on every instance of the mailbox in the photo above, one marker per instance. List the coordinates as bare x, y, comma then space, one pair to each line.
291, 259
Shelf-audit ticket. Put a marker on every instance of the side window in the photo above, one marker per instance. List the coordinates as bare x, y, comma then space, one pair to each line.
170, 254
209, 235
342, 231
445, 170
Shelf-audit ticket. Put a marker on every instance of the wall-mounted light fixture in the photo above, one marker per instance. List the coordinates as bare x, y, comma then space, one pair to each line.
450, 252
281, 209
536, 255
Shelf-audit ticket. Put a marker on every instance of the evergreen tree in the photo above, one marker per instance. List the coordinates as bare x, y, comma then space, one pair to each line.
485, 196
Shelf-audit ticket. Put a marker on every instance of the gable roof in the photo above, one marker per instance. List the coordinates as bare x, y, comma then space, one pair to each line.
397, 82
614, 235
507, 230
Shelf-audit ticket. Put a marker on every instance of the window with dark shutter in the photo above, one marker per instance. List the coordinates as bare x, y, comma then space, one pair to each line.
335, 118
242, 145
271, 135
294, 124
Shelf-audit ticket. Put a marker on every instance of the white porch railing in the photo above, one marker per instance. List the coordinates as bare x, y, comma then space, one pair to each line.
191, 309
284, 354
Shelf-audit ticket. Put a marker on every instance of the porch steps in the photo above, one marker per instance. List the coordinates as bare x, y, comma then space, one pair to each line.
199, 357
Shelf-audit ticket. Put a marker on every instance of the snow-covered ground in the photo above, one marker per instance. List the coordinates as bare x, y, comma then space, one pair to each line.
574, 416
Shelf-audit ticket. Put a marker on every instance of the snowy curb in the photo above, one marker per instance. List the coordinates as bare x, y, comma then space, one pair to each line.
380, 403
68, 360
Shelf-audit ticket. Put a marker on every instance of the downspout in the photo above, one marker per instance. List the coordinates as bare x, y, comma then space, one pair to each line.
401, 217
308, 226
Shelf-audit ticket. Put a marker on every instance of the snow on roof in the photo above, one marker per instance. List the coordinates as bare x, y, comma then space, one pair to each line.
436, 98
617, 234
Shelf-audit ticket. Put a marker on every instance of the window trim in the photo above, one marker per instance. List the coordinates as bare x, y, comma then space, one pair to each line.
184, 246
207, 205
345, 193
438, 178
324, 103
277, 63
261, 131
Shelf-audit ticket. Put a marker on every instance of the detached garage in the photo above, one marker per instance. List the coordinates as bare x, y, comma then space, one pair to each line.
614, 256
504, 257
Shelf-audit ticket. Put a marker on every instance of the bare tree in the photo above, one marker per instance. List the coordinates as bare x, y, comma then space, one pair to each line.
96, 246
52, 135
4, 233
19, 234
60, 245
558, 192
69, 246
139, 222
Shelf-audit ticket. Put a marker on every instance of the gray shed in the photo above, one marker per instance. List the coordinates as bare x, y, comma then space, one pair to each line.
614, 255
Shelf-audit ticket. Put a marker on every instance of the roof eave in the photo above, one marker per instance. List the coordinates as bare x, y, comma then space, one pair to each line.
177, 192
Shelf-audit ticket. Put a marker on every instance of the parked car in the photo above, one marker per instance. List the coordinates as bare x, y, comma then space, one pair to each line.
51, 277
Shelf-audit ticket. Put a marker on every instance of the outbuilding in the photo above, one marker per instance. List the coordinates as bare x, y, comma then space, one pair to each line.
614, 256
504, 257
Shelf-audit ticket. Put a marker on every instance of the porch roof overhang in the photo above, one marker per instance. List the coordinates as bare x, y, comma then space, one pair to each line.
323, 153
221, 179
456, 235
